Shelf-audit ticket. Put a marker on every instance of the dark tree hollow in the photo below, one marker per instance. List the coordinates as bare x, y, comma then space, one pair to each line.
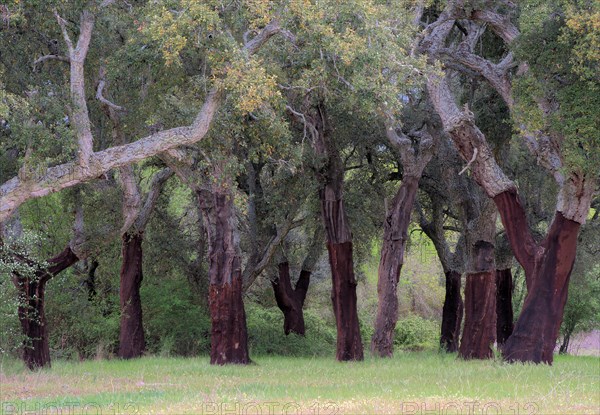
452, 313
504, 307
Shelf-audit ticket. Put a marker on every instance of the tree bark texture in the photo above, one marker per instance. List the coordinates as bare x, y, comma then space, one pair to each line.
339, 245
548, 264
36, 350
229, 336
480, 328
452, 313
504, 307
343, 295
547, 271
479, 332
392, 257
131, 335
291, 300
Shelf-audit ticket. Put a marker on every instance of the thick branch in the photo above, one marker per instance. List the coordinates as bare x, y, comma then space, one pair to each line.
79, 112
467, 137
16, 191
501, 25
132, 199
158, 181
495, 74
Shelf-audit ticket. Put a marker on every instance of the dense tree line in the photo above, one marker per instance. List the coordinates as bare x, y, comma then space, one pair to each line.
234, 143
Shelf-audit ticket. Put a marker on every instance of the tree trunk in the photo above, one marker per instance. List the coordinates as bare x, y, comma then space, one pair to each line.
339, 245
390, 265
452, 312
547, 270
131, 335
504, 308
343, 295
229, 336
290, 301
480, 305
564, 347
36, 351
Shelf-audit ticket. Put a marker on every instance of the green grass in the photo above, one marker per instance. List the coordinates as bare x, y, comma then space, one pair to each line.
408, 383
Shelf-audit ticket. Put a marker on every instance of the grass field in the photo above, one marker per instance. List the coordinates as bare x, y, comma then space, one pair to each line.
410, 383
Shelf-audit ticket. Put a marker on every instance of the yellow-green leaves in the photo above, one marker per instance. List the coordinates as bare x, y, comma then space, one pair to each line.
583, 29
174, 24
250, 84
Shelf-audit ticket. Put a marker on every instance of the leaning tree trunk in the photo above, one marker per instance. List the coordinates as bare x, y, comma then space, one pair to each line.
131, 335
452, 312
229, 336
548, 269
291, 300
390, 265
36, 351
504, 309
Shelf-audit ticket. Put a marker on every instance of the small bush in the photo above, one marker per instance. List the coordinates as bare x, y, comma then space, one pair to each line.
416, 333
266, 336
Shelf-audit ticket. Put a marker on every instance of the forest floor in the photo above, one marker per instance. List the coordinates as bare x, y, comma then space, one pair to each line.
410, 383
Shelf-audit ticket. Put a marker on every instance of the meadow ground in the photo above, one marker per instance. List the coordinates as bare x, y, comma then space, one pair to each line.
410, 383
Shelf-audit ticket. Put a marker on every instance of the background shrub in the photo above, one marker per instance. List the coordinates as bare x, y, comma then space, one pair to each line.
416, 333
266, 336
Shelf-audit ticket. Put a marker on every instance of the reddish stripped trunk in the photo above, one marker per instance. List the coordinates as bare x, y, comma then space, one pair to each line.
131, 336
36, 351
229, 336
547, 268
339, 247
343, 295
390, 265
504, 309
479, 332
452, 312
291, 300
480, 317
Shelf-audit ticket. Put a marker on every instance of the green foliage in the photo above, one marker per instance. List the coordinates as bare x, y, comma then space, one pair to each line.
582, 311
561, 89
79, 326
266, 336
175, 324
11, 337
416, 333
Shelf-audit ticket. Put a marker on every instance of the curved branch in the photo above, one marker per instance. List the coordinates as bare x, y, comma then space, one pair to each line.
16, 191
50, 57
